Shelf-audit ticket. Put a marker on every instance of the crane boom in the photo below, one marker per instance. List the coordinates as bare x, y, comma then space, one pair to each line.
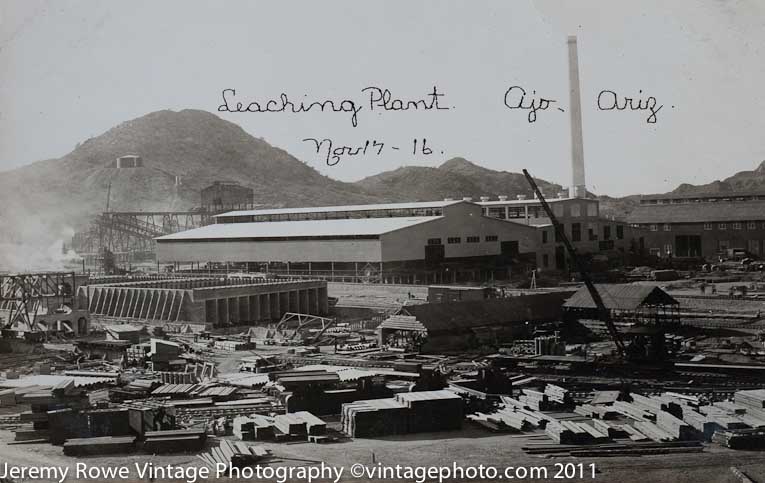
560, 233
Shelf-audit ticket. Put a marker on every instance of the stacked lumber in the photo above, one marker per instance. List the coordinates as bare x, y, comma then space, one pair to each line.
740, 438
567, 432
253, 428
634, 411
236, 454
655, 404
538, 401
314, 425
432, 410
559, 395
99, 446
599, 412
754, 399
174, 441
611, 430
654, 432
374, 417
43, 401
676, 427
290, 424
634, 433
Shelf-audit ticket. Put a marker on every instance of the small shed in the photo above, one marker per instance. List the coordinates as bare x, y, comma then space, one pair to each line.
625, 302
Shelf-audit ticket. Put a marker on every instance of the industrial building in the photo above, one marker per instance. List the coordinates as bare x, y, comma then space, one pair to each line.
212, 301
705, 226
580, 219
444, 241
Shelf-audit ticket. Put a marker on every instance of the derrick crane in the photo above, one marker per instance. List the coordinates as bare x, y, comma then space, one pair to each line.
603, 312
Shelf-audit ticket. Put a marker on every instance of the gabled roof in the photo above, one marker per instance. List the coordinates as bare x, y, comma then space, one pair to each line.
299, 229
718, 212
621, 297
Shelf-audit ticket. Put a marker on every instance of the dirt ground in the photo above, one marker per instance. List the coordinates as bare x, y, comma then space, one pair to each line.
469, 446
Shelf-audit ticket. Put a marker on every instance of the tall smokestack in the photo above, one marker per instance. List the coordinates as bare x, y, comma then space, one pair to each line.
577, 188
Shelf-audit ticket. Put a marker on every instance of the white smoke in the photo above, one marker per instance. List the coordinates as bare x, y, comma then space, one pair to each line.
37, 247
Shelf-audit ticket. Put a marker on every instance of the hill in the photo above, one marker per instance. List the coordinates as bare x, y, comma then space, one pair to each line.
740, 182
456, 178
197, 146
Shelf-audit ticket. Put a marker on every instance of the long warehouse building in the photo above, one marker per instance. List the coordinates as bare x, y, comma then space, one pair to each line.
423, 242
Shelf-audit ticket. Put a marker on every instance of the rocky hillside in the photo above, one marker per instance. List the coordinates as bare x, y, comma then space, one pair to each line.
739, 182
197, 146
455, 178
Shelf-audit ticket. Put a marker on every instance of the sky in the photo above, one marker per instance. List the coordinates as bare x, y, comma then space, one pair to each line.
71, 70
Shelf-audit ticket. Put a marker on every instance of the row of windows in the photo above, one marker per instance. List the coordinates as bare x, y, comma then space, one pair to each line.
452, 240
576, 233
750, 225
509, 212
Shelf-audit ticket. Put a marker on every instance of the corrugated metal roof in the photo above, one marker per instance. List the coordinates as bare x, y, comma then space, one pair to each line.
717, 212
293, 229
621, 297
329, 209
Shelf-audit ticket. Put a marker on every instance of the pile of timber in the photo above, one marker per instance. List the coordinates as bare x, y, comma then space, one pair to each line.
569, 432
754, 399
99, 446
612, 430
559, 395
634, 411
62, 396
655, 404
237, 454
314, 425
740, 438
596, 412
407, 412
291, 425
174, 441
254, 428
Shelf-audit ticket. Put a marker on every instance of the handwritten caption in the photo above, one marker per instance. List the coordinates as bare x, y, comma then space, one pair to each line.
382, 101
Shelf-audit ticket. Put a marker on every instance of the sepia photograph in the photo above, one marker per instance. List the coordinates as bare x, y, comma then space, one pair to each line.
364, 241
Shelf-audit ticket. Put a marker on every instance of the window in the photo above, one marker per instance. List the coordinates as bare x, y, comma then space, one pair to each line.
655, 251
434, 241
558, 238
545, 260
737, 226
491, 238
667, 227
576, 210
722, 226
654, 228
473, 239
620, 232
752, 225
592, 209
591, 235
707, 226
544, 236
558, 210
576, 232
453, 240
607, 232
